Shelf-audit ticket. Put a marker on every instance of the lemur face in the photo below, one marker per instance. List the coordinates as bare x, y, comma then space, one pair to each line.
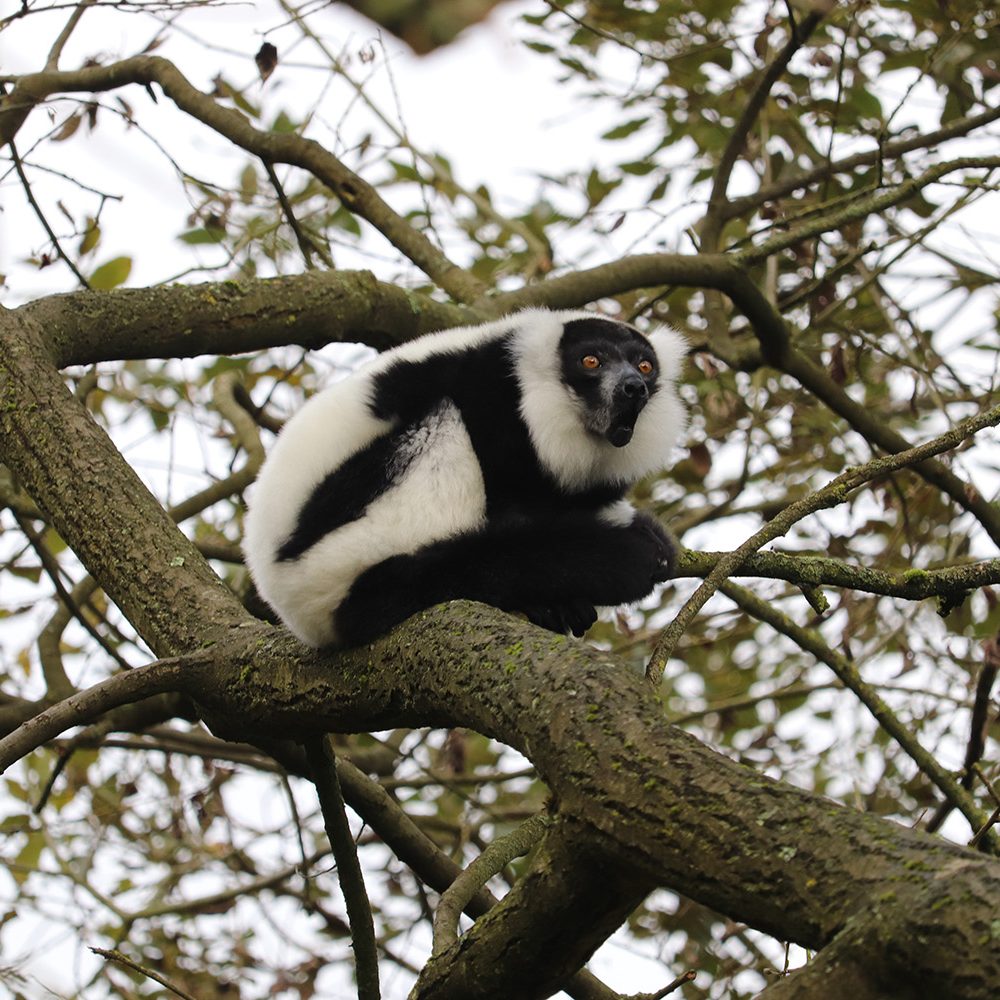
610, 369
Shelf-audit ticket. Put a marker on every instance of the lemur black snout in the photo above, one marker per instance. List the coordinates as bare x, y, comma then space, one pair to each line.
633, 387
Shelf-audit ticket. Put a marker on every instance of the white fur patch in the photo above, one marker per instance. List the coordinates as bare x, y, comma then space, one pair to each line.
576, 458
441, 495
619, 514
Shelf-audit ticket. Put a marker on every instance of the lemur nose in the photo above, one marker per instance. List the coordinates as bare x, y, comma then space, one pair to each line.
633, 387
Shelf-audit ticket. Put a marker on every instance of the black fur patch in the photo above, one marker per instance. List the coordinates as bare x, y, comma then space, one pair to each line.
553, 569
344, 495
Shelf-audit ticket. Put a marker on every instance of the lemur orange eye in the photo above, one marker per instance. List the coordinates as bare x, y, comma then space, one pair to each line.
645, 367
590, 362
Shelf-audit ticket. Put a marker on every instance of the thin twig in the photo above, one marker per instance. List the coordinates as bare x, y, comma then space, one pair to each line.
306, 244
857, 208
978, 726
994, 816
831, 495
356, 194
818, 571
359, 913
713, 221
52, 62
37, 209
52, 570
120, 959
890, 151
676, 984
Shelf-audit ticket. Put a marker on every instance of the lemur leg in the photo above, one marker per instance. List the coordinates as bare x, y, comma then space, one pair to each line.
553, 570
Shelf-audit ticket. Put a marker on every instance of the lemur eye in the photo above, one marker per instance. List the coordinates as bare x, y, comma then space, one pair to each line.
590, 361
645, 367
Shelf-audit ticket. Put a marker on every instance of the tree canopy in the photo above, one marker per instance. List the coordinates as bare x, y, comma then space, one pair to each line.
779, 773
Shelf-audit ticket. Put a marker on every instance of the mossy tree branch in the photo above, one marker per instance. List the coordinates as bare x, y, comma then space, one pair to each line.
820, 571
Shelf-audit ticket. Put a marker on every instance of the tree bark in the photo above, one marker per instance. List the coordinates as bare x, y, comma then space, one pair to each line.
640, 803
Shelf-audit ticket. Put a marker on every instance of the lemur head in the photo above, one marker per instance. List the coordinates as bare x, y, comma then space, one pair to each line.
612, 371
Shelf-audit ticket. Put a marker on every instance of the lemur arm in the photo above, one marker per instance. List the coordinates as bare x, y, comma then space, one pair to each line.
554, 571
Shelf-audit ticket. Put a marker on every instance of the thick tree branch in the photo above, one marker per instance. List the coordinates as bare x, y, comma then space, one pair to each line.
869, 959
171, 593
556, 700
561, 697
235, 317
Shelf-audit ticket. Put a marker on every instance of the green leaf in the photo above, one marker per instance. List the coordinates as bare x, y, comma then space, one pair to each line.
32, 573
91, 236
638, 168
625, 129
865, 103
28, 857
405, 171
598, 188
283, 124
248, 184
194, 237
112, 274
15, 823
225, 89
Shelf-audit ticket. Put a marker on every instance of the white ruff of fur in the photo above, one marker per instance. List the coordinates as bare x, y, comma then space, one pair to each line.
574, 457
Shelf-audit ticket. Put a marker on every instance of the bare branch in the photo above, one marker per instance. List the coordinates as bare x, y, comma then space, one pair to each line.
883, 153
272, 147
500, 853
352, 881
120, 689
816, 571
858, 208
798, 33
120, 959
831, 495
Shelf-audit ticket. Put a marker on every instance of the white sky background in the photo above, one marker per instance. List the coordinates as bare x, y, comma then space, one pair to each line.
492, 107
